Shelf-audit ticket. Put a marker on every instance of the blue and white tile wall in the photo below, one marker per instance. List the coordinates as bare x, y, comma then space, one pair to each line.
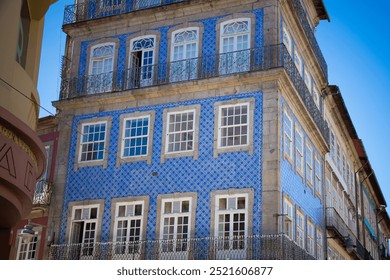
229, 170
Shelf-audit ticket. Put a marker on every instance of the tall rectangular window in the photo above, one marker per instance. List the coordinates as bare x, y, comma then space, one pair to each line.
175, 228
101, 66
318, 175
319, 243
300, 229
299, 150
92, 144
231, 214
84, 221
332, 145
309, 165
288, 218
128, 229
310, 238
287, 134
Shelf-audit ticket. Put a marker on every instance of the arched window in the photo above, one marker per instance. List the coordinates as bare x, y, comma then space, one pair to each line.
184, 54
140, 72
101, 66
234, 46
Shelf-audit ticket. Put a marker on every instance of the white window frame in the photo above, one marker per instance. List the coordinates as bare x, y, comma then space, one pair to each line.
287, 39
85, 228
229, 60
185, 62
298, 61
287, 135
93, 141
300, 228
129, 246
288, 218
29, 250
229, 241
102, 81
309, 165
176, 248
317, 175
299, 150
165, 152
150, 116
310, 233
308, 80
245, 123
319, 244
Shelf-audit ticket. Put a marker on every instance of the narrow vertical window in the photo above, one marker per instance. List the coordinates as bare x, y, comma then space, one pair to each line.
287, 135
300, 229
287, 41
310, 238
309, 165
317, 176
288, 223
299, 161
27, 250
298, 61
184, 55
101, 67
234, 46
319, 243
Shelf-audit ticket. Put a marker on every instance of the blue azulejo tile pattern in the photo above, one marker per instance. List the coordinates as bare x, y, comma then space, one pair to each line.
295, 185
176, 175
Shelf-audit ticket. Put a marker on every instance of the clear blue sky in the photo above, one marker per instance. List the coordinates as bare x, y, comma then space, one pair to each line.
355, 45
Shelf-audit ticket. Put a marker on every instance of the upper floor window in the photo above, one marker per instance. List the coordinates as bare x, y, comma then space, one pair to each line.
299, 150
287, 41
309, 165
308, 80
137, 136
93, 141
287, 135
184, 54
141, 68
298, 61
111, 4
317, 175
181, 127
101, 65
316, 97
234, 121
235, 46
143, 4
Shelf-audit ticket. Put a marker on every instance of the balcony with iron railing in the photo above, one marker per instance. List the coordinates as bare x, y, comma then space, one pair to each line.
95, 9
42, 194
267, 247
245, 61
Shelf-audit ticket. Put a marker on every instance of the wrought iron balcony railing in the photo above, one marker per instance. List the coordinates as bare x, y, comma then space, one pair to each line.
42, 194
268, 247
336, 223
310, 35
251, 60
94, 9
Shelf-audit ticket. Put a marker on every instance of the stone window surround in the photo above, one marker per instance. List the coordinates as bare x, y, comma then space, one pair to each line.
85, 204
194, 153
104, 161
130, 199
251, 111
148, 158
249, 192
